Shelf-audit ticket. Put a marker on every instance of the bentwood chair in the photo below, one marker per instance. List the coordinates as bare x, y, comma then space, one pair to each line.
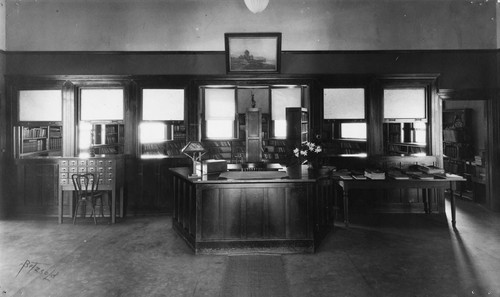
87, 191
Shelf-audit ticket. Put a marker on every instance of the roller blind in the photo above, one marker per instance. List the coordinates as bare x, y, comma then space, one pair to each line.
101, 104
220, 104
281, 99
344, 103
40, 105
404, 103
163, 104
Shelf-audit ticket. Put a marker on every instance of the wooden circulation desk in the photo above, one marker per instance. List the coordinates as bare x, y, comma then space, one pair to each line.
245, 212
108, 170
388, 183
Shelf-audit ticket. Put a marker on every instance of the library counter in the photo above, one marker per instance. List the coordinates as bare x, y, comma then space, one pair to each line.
242, 212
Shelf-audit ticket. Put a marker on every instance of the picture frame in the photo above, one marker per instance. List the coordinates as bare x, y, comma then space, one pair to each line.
253, 52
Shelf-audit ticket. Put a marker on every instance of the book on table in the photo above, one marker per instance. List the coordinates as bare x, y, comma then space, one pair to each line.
374, 174
396, 174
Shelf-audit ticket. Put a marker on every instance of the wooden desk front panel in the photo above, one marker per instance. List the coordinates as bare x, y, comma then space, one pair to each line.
279, 216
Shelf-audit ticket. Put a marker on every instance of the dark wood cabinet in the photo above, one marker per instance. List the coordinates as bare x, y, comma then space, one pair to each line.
152, 186
37, 187
254, 135
297, 126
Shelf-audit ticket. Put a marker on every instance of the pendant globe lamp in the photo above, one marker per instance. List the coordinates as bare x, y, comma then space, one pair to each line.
256, 6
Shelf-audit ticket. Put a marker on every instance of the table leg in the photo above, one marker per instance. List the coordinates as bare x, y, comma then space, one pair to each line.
429, 200
60, 206
452, 202
113, 206
425, 199
346, 207
121, 202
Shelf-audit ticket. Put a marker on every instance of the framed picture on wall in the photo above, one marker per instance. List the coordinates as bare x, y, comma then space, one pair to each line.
253, 52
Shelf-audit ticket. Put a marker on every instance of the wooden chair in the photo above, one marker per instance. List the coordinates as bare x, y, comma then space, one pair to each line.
87, 190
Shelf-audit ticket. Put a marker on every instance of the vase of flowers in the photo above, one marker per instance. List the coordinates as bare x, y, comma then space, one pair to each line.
309, 153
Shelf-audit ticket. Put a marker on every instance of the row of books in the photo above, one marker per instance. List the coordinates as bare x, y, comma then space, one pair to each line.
55, 143
274, 142
164, 148
34, 132
414, 172
273, 156
31, 146
55, 132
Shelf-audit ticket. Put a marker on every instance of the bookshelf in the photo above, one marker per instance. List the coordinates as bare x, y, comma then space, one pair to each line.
43, 140
108, 139
297, 126
254, 135
458, 150
407, 149
339, 147
275, 150
238, 151
400, 140
166, 143
218, 149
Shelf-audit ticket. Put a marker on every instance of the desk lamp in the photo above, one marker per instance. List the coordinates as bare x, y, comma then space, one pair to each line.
194, 150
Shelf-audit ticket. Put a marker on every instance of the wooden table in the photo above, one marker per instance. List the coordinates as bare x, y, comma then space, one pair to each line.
108, 170
102, 187
424, 184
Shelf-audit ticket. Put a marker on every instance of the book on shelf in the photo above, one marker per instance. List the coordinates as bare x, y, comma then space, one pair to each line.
34, 132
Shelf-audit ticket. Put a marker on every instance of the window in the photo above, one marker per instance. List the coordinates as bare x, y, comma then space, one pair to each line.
405, 121
344, 121
220, 112
281, 98
101, 129
353, 130
162, 132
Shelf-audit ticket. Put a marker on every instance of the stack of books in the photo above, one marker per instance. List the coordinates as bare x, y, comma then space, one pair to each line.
374, 174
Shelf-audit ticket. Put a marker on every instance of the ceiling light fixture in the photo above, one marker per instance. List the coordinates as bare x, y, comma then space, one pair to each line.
257, 6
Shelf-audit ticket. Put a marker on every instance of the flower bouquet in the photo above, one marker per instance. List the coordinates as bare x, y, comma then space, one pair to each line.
309, 153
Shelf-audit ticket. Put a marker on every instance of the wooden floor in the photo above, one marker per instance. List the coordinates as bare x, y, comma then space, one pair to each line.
379, 255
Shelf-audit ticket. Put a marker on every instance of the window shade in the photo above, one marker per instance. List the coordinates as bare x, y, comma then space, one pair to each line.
341, 103
40, 105
404, 103
220, 104
101, 104
163, 104
283, 98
